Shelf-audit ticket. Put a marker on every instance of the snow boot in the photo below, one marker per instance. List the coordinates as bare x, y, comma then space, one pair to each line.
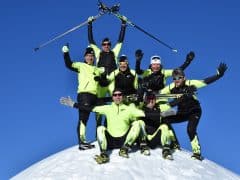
174, 145
166, 153
124, 152
197, 156
145, 150
85, 146
102, 158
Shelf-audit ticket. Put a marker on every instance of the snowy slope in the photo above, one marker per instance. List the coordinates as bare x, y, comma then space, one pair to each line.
74, 164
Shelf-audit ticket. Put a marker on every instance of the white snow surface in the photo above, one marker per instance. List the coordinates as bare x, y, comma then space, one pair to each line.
71, 164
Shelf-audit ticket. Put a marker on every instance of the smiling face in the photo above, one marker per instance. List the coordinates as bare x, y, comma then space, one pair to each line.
117, 97
123, 66
179, 80
89, 58
155, 67
106, 46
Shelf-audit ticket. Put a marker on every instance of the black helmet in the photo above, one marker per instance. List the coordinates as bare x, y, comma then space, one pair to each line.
178, 72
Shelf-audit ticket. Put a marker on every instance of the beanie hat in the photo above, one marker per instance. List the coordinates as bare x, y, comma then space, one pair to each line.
123, 58
106, 40
155, 59
89, 50
178, 72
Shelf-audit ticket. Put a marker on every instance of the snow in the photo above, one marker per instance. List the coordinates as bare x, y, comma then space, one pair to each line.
72, 164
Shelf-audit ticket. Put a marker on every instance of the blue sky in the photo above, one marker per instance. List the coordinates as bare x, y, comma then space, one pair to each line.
33, 123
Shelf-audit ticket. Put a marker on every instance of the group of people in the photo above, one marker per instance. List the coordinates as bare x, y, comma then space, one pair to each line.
137, 104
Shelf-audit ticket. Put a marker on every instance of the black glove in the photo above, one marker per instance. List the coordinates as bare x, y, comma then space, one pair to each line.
138, 55
190, 56
190, 90
102, 80
97, 78
221, 69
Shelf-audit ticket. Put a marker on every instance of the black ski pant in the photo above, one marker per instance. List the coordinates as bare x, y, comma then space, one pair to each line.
192, 117
88, 100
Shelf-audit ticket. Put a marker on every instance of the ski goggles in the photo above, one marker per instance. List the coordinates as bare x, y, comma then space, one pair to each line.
178, 78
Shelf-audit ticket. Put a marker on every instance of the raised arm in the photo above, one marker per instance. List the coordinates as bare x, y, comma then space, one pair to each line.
220, 72
123, 30
138, 56
67, 59
90, 33
190, 56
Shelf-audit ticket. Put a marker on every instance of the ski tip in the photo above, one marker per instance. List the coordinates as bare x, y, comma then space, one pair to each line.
174, 50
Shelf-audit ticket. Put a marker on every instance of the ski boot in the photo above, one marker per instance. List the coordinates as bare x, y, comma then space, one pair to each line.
85, 146
145, 150
175, 146
197, 156
124, 151
102, 158
166, 153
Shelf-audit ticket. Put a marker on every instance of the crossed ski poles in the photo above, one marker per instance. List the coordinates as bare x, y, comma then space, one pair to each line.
104, 10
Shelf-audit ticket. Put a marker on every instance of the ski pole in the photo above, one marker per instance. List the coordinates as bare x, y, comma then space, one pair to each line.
67, 32
145, 32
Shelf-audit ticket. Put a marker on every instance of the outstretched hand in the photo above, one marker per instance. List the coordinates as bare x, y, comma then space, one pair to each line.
65, 48
90, 19
67, 101
138, 54
124, 19
221, 69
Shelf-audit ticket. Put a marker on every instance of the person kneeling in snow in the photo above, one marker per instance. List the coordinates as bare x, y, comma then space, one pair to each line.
123, 125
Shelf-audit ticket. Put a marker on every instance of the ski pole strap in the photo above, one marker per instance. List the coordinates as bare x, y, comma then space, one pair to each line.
67, 32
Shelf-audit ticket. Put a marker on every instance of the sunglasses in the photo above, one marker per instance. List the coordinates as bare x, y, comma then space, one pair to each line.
123, 63
106, 44
178, 78
117, 94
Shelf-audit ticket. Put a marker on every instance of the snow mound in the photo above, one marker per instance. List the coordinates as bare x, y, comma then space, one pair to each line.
74, 164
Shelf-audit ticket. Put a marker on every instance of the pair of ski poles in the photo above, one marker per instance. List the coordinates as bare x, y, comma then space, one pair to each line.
103, 10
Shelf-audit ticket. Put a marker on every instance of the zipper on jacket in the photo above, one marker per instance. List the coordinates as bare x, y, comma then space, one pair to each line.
86, 85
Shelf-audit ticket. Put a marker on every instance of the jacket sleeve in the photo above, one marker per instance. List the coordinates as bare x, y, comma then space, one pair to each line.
211, 79
185, 64
122, 33
90, 34
68, 62
83, 108
138, 69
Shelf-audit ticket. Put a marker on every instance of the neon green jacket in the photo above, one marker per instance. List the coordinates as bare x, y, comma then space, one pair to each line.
119, 117
86, 74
